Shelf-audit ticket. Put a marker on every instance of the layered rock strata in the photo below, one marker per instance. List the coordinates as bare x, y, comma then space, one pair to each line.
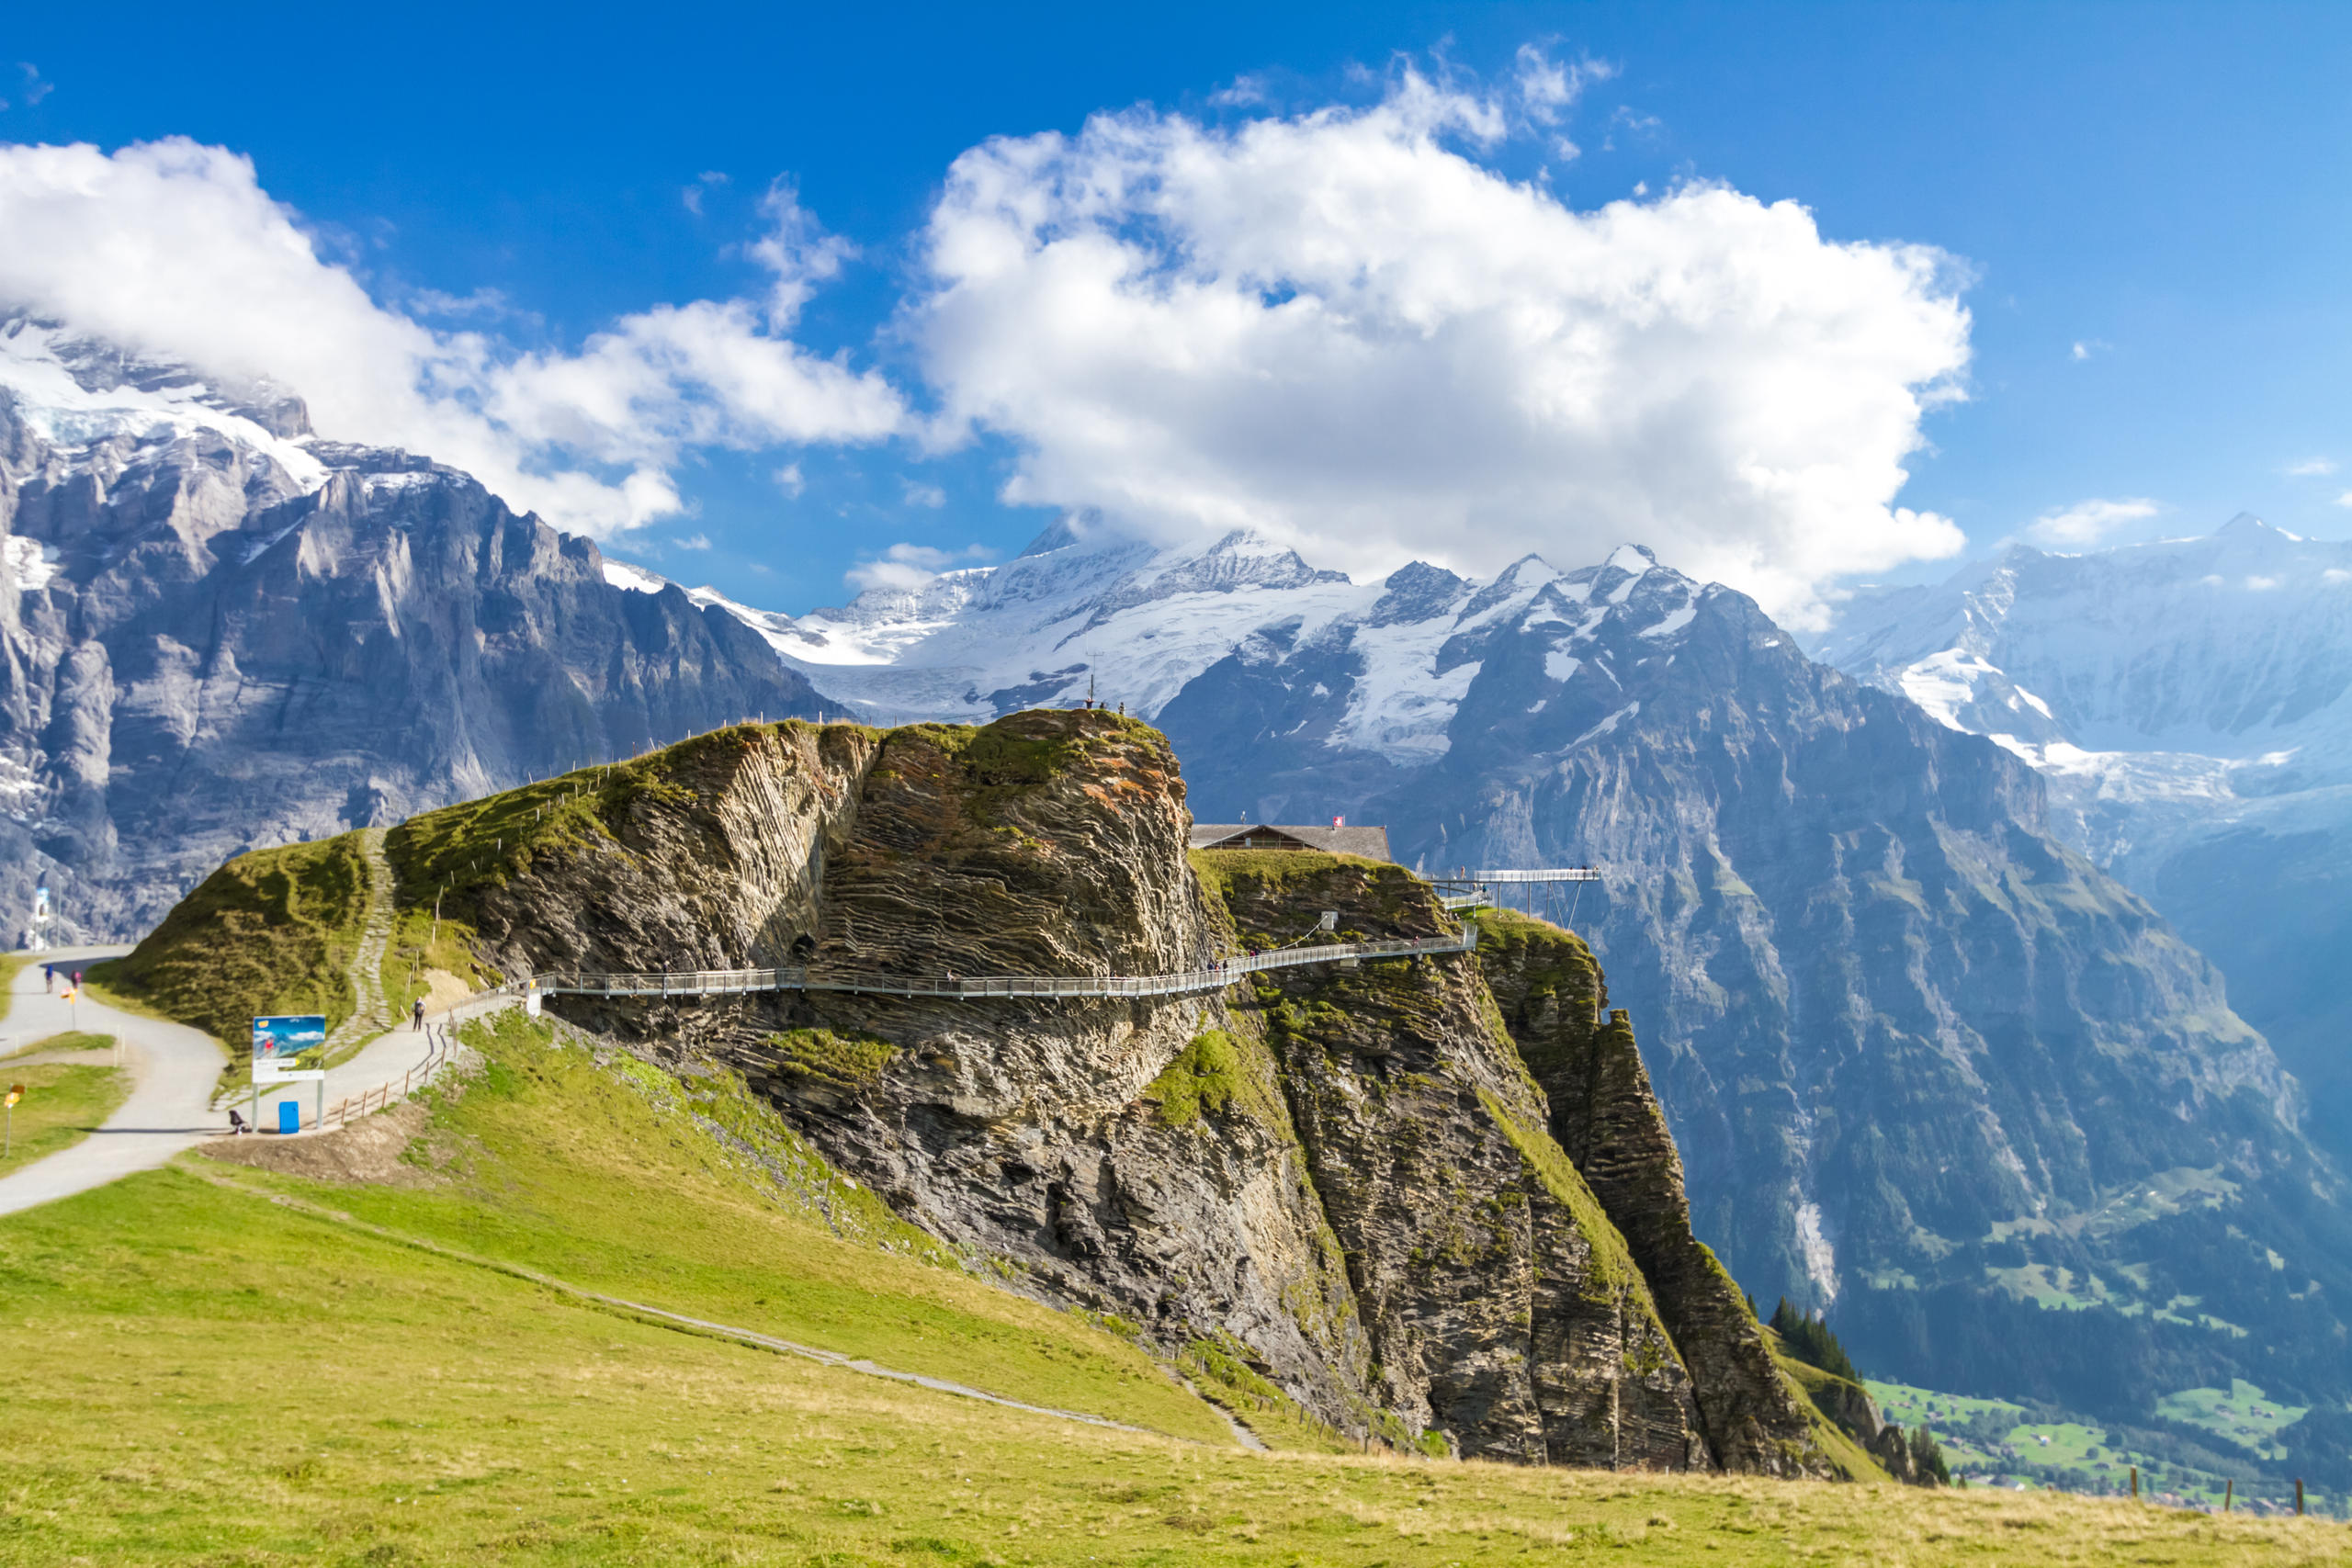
1607, 1119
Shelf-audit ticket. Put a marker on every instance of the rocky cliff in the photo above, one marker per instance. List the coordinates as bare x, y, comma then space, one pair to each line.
1340, 1196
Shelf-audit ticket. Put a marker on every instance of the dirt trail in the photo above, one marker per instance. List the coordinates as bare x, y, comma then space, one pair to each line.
370, 1012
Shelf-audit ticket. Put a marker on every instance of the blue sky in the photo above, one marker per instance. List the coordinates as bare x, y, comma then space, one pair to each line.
2149, 204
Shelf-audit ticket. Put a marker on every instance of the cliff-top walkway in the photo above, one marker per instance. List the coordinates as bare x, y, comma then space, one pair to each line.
1462, 891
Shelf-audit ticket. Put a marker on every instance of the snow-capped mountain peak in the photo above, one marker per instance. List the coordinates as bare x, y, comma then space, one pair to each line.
2235, 646
1087, 608
88, 401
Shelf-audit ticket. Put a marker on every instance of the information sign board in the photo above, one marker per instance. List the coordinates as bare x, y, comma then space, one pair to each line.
291, 1048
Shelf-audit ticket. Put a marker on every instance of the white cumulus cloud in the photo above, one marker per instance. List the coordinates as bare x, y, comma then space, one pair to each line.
1342, 328
2088, 523
2312, 467
174, 248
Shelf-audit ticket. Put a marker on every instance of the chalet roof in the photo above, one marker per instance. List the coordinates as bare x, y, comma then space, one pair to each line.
1371, 843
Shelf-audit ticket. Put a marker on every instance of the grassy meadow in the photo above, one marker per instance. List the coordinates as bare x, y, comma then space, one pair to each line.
235, 1364
2004, 1443
63, 1102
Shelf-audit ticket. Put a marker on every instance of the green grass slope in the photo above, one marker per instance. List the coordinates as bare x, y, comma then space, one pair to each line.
694, 1197
199, 1374
63, 1104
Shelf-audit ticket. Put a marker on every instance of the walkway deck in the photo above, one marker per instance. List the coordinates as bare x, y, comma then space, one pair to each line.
976, 988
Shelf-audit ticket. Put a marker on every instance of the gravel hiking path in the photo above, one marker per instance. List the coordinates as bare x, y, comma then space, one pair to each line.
175, 1071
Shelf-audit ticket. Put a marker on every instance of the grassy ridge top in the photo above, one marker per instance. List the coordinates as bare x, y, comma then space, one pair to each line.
272, 932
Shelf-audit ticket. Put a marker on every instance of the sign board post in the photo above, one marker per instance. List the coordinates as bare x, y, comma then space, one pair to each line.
289, 1048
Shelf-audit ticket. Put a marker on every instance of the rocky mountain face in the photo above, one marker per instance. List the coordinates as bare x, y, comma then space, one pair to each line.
1936, 1073
1431, 1202
2186, 701
222, 634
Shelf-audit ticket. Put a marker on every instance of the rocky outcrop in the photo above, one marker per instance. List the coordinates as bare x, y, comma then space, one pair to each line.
1608, 1121
1504, 1308
1337, 1189
1848, 1405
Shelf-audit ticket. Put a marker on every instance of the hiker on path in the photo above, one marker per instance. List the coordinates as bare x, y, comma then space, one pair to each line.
237, 1124
416, 1016
49, 978
77, 979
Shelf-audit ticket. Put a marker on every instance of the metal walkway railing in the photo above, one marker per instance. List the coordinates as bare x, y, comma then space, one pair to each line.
1549, 873
727, 982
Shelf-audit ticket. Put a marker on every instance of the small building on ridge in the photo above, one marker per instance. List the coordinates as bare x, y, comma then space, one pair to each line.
1370, 843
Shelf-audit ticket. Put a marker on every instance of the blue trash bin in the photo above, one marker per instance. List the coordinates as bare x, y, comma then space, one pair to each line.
289, 1116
